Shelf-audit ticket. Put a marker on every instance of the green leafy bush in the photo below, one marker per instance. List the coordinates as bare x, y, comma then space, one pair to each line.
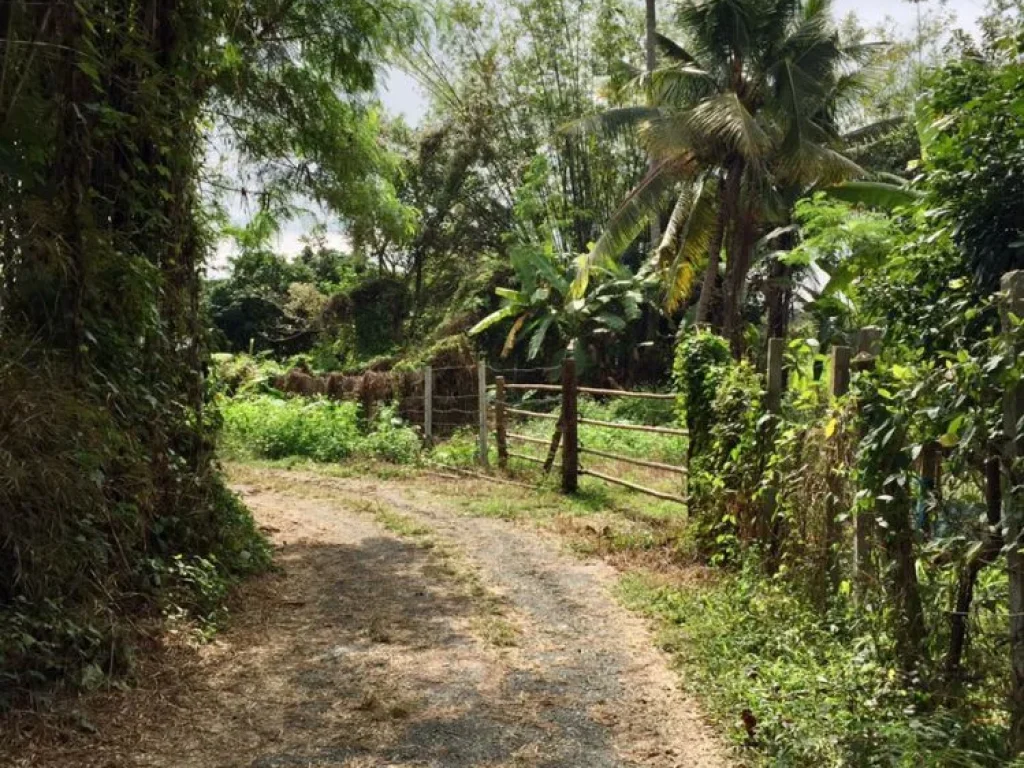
700, 358
720, 401
273, 428
270, 427
390, 439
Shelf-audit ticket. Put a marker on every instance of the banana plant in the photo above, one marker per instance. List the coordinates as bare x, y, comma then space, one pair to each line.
548, 298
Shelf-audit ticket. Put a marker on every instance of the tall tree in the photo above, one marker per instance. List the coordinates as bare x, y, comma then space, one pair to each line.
651, 60
106, 440
746, 111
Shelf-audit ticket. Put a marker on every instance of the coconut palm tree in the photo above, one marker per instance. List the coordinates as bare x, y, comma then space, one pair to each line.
745, 119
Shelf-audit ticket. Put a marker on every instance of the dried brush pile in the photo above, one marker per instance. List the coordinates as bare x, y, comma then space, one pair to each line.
455, 386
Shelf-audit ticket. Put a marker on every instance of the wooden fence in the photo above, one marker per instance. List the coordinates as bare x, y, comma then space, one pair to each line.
495, 414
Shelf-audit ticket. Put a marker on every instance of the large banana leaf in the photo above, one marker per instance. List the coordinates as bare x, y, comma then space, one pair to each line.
874, 194
494, 318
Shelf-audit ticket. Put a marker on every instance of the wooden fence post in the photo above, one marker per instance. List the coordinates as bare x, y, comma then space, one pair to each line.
570, 424
869, 346
840, 371
1013, 514
481, 385
428, 404
499, 421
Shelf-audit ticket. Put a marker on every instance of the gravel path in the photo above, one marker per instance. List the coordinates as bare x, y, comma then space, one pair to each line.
480, 644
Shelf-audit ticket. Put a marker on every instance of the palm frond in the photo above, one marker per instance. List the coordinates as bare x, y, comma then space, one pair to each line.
814, 164
612, 122
673, 50
628, 221
680, 85
874, 130
694, 221
725, 119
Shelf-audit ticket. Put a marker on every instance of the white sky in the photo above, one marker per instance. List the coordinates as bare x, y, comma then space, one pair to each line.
402, 95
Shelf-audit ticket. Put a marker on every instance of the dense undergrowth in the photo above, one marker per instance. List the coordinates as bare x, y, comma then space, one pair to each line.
270, 427
107, 541
821, 688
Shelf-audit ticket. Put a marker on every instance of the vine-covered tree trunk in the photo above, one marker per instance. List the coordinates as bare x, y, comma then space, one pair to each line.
101, 345
1013, 515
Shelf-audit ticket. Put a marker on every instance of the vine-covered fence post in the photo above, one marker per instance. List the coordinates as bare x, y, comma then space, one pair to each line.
839, 385
428, 404
481, 386
1013, 513
499, 422
868, 346
770, 532
570, 424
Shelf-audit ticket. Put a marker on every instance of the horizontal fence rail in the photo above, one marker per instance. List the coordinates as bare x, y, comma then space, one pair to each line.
635, 427
592, 391
526, 457
630, 460
525, 439
633, 486
535, 387
622, 393
532, 414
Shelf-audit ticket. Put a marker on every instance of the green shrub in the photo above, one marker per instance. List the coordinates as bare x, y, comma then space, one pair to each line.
643, 411
390, 439
461, 449
269, 427
273, 428
700, 358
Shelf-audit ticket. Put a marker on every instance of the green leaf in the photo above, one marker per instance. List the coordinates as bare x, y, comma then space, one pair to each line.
510, 294
614, 322
537, 340
493, 319
874, 194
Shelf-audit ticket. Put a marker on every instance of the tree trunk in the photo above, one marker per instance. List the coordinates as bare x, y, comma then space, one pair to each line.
1013, 516
779, 291
652, 63
728, 196
709, 288
738, 259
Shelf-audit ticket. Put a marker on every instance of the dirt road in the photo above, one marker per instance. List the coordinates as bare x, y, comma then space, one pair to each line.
400, 633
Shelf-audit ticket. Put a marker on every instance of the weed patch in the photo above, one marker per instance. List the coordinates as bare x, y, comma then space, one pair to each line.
269, 427
814, 694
